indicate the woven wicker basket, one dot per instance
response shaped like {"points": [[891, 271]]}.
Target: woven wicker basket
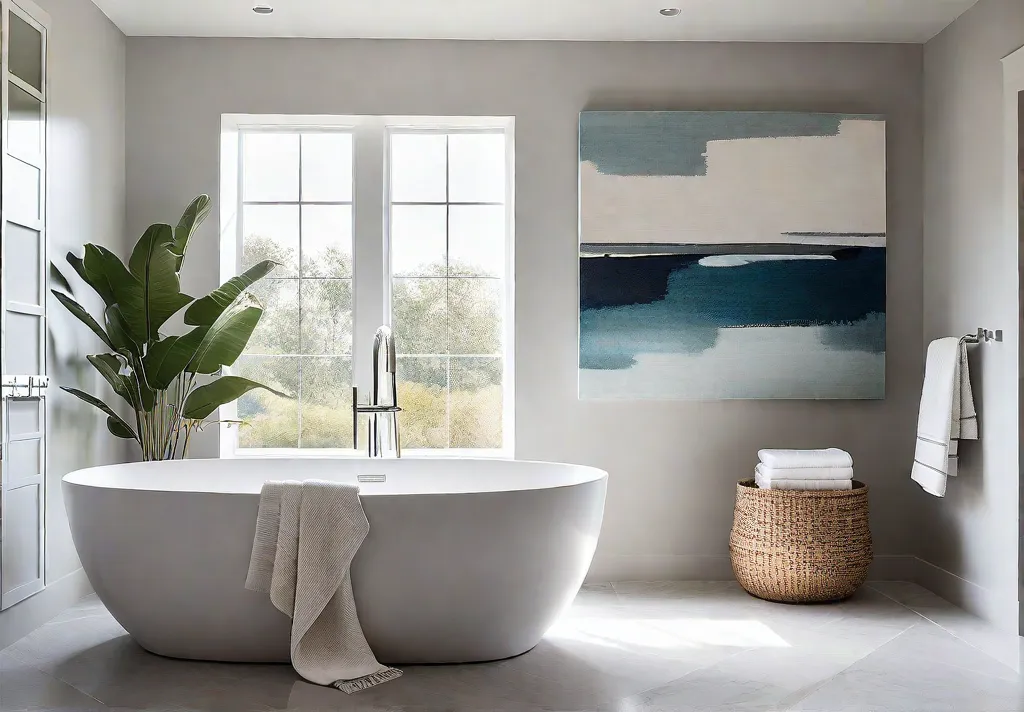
{"points": [[799, 546]]}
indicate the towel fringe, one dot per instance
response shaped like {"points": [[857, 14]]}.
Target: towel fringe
{"points": [[367, 681]]}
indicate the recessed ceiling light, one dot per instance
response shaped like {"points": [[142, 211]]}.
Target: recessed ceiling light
{"points": [[263, 10], [669, 11]]}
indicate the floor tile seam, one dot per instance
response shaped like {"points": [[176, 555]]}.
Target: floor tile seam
{"points": [[695, 670], [949, 632], [59, 678], [25, 661], [836, 674]]}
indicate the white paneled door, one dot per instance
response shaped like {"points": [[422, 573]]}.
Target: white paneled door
{"points": [[23, 290]]}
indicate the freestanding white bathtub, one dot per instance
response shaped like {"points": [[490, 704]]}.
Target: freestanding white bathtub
{"points": [[466, 560]]}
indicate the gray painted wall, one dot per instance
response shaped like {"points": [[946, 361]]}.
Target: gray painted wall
{"points": [[969, 539], [673, 465], [86, 203]]}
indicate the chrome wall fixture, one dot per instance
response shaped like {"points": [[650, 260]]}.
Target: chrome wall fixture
{"points": [[983, 336], [383, 350]]}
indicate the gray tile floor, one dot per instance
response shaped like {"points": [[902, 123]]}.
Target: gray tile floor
{"points": [[630, 647]]}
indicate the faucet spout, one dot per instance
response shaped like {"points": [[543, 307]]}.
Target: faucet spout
{"points": [[385, 373]]}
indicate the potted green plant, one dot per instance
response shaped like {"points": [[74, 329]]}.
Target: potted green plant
{"points": [[163, 378]]}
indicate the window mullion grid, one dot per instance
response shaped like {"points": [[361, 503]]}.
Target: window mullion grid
{"points": [[447, 288], [302, 349]]}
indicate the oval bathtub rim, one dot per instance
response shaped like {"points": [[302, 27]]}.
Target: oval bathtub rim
{"points": [[598, 476]]}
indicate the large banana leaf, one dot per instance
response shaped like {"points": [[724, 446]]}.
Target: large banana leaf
{"points": [[204, 312], [83, 316], [99, 284], [121, 429], [119, 331], [155, 266], [140, 396], [115, 424], [225, 340], [206, 399], [57, 277], [168, 358], [191, 219], [105, 273]]}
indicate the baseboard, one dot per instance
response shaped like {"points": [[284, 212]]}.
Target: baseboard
{"points": [[999, 610], [21, 619], [696, 567], [659, 567], [892, 567]]}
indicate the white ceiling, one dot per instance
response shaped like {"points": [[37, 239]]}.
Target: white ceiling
{"points": [[714, 20]]}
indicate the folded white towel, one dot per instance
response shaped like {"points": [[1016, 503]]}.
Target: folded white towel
{"points": [[805, 473], [830, 457], [307, 534], [946, 416], [818, 485]]}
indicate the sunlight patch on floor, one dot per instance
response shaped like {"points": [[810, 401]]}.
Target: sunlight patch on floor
{"points": [[668, 634]]}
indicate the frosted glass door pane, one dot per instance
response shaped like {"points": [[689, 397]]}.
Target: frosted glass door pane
{"points": [[24, 417], [26, 52], [23, 459], [23, 256], [23, 330], [21, 191], [25, 131], [22, 521]]}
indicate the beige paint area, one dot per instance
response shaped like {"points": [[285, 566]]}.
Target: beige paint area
{"points": [[755, 190]]}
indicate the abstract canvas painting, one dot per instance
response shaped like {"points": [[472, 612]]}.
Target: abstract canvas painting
{"points": [[732, 255]]}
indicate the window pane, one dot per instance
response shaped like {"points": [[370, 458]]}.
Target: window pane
{"points": [[477, 168], [278, 330], [476, 402], [418, 168], [26, 52], [326, 316], [271, 232], [419, 314], [326, 402], [271, 421], [476, 240], [271, 167], [423, 395], [25, 131], [327, 167], [326, 240], [418, 240], [474, 316]]}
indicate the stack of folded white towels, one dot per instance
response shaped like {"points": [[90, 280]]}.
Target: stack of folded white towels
{"points": [[830, 469]]}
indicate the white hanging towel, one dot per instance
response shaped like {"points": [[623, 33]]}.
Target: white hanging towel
{"points": [[307, 534], [947, 415]]}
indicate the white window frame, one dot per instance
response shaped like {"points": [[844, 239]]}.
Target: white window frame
{"points": [[371, 298]]}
